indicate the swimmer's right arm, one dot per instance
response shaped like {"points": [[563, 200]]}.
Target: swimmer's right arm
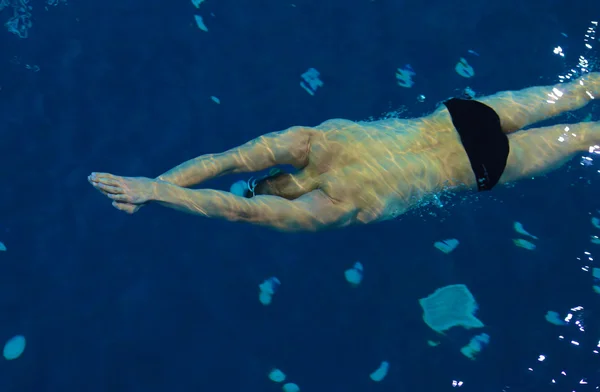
{"points": [[313, 211]]}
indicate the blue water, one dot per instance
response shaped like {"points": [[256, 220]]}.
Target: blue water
{"points": [[163, 301]]}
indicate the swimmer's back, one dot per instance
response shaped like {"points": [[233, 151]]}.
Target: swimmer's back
{"points": [[374, 165]]}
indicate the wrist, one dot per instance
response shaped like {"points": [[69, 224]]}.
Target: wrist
{"points": [[157, 192]]}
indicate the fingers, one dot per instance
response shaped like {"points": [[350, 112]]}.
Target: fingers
{"points": [[105, 183], [98, 189], [107, 189], [126, 207], [102, 178], [120, 197]]}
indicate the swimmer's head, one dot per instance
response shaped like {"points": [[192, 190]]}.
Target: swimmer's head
{"points": [[240, 188], [266, 185]]}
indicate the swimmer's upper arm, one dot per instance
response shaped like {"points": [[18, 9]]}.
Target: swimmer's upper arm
{"points": [[311, 212]]}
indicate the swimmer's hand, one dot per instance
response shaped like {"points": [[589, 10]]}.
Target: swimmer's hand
{"points": [[127, 207], [124, 191], [119, 205]]}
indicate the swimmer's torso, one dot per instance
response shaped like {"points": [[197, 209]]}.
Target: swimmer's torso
{"points": [[386, 167]]}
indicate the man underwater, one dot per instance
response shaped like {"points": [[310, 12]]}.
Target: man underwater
{"points": [[361, 172]]}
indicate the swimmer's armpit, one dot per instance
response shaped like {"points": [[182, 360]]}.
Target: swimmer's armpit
{"points": [[312, 212]]}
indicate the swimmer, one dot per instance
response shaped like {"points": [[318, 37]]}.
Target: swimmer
{"points": [[352, 173]]}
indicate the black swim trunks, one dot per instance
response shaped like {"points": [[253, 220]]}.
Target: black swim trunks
{"points": [[482, 137]]}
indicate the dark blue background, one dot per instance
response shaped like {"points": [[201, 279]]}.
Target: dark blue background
{"points": [[163, 301]]}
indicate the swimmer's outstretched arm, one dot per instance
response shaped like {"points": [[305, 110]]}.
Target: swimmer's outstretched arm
{"points": [[312, 212], [278, 148], [289, 147]]}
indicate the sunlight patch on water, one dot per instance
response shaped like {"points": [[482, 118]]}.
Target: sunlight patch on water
{"points": [[380, 373], [267, 289], [354, 275], [475, 345], [574, 322], [446, 246], [14, 347], [448, 307], [277, 375]]}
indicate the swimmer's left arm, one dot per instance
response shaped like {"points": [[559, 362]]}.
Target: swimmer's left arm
{"points": [[311, 212], [289, 147]]}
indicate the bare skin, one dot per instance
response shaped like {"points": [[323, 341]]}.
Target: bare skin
{"points": [[362, 172]]}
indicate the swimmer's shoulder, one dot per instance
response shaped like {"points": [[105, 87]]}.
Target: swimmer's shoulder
{"points": [[371, 193], [336, 124]]}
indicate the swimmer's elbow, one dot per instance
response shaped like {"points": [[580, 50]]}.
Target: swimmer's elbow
{"points": [[294, 222], [309, 213], [314, 225], [313, 222]]}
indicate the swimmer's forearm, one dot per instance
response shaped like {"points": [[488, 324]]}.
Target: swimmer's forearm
{"points": [[204, 202], [199, 169]]}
